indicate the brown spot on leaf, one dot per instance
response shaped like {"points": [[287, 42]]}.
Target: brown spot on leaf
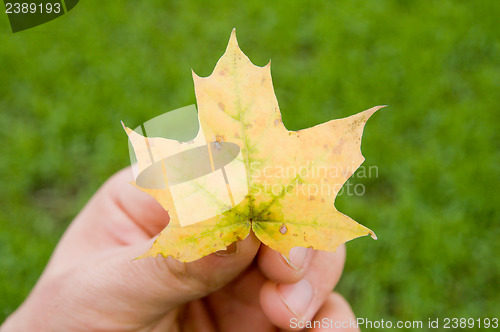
{"points": [[338, 148], [283, 229], [312, 198], [248, 126], [221, 106], [355, 124]]}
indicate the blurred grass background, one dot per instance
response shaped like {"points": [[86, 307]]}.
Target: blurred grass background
{"points": [[65, 86]]}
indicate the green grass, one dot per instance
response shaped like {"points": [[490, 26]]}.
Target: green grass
{"points": [[65, 86]]}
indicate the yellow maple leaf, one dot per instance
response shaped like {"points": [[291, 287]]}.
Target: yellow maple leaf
{"points": [[289, 182]]}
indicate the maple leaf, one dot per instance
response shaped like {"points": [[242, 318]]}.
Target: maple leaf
{"points": [[290, 179]]}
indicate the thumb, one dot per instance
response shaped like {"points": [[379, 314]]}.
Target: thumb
{"points": [[166, 283]]}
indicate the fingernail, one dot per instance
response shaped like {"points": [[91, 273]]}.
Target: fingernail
{"points": [[299, 257], [230, 250], [297, 297]]}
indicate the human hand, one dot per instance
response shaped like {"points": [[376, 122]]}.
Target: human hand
{"points": [[92, 282]]}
